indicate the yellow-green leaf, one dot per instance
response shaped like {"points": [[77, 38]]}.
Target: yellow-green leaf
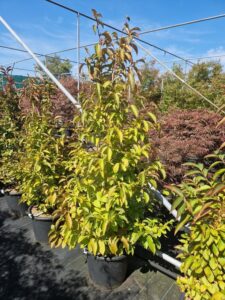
{"points": [[101, 245], [109, 154], [98, 50], [113, 246], [152, 116], [93, 246], [125, 243], [116, 168], [120, 134], [134, 110], [68, 220], [151, 244]]}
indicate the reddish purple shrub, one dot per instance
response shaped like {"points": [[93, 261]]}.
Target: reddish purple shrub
{"points": [[187, 135]]}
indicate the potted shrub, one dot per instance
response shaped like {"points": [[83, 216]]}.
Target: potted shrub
{"points": [[42, 160], [200, 200], [108, 204], [10, 146]]}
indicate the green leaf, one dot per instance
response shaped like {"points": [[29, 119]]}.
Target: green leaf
{"points": [[221, 245], [176, 203], [151, 244], [125, 243], [109, 154], [218, 296], [146, 126], [142, 178], [99, 90], [218, 174], [182, 223], [113, 246], [187, 263], [152, 117], [101, 245], [120, 135], [146, 197], [131, 79], [134, 110], [176, 190], [68, 220], [98, 50], [181, 210], [209, 274], [214, 248], [106, 84], [97, 203], [212, 263], [217, 189], [93, 246], [101, 164], [116, 168]]}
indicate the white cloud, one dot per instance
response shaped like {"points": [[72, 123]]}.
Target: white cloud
{"points": [[217, 53]]}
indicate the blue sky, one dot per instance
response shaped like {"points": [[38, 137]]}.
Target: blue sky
{"points": [[46, 28]]}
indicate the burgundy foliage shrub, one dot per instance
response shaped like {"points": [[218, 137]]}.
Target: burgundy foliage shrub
{"points": [[63, 107], [187, 135]]}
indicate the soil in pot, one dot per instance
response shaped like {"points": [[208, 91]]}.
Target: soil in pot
{"points": [[13, 201], [108, 273], [41, 224]]}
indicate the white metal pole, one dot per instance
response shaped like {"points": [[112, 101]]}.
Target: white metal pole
{"points": [[169, 259], [178, 77], [164, 201], [78, 56], [50, 75]]}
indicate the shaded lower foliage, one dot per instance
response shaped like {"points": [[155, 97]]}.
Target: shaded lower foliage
{"points": [[27, 271]]}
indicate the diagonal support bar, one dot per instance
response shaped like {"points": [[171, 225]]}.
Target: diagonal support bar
{"points": [[43, 67], [178, 77]]}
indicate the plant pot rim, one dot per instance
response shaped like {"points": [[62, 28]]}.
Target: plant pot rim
{"points": [[38, 217], [12, 192], [106, 258]]}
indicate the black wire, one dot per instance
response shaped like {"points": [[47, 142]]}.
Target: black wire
{"points": [[118, 30], [24, 51]]}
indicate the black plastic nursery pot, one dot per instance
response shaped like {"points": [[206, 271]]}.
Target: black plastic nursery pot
{"points": [[41, 225], [15, 206], [108, 273]]}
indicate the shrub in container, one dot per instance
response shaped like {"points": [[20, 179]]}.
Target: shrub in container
{"points": [[200, 200], [10, 147], [42, 162], [108, 199]]}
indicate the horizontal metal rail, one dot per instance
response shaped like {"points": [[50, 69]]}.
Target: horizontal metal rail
{"points": [[183, 24]]}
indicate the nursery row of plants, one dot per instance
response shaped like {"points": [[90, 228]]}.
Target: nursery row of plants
{"points": [[87, 183]]}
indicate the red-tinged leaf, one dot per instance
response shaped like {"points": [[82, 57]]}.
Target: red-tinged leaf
{"points": [[175, 190], [222, 146], [217, 189], [221, 122]]}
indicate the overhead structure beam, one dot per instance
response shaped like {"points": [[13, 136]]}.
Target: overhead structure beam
{"points": [[57, 52], [183, 24], [24, 51], [118, 30], [78, 56]]}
